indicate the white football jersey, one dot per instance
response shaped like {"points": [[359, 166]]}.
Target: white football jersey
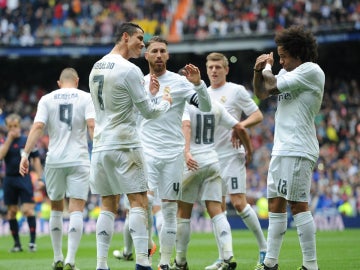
{"points": [[236, 100], [299, 102], [162, 137], [117, 90], [64, 112], [203, 126]]}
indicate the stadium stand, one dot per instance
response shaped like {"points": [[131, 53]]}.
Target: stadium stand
{"points": [[39, 22]]}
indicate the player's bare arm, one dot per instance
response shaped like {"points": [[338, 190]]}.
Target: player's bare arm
{"points": [[35, 133], [243, 137], [190, 162], [253, 119], [90, 126], [264, 81]]}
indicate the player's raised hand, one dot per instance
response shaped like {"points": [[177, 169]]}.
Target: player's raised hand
{"points": [[154, 85], [192, 74]]}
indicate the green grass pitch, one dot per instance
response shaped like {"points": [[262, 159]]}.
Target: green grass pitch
{"points": [[338, 250]]}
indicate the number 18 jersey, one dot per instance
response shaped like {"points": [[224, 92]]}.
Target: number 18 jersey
{"points": [[203, 126]]}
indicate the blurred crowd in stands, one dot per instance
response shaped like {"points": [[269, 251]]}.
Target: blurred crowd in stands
{"points": [[336, 178], [87, 22]]}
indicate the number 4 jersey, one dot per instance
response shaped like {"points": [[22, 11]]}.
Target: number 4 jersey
{"points": [[64, 112]]}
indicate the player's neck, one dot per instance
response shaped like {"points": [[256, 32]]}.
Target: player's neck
{"points": [[217, 85], [157, 72], [123, 51]]}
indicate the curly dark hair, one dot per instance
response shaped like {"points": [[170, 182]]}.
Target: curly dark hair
{"points": [[298, 42]]}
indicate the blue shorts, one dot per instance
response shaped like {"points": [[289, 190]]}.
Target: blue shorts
{"points": [[18, 188]]}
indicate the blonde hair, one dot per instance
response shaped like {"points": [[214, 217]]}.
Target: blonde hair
{"points": [[215, 56]]}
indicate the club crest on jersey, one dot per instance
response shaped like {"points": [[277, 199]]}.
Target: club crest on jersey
{"points": [[166, 90], [223, 99]]}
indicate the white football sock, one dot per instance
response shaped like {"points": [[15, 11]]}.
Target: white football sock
{"points": [[223, 233], [138, 226], [182, 240], [168, 232], [56, 234], [76, 226], [276, 231], [128, 242], [251, 221], [307, 237], [159, 220], [104, 233]]}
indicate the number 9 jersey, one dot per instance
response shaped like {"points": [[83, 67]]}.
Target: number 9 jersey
{"points": [[64, 112]]}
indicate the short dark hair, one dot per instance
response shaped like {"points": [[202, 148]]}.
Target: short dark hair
{"points": [[298, 42], [156, 39], [68, 74], [127, 27]]}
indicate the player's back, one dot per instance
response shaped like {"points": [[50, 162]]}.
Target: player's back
{"points": [[113, 84], [64, 111], [203, 125]]}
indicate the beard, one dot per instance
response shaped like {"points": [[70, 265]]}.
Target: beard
{"points": [[157, 67]]}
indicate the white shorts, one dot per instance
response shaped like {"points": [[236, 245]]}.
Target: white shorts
{"points": [[165, 176], [71, 182], [233, 173], [118, 172], [290, 178], [203, 184]]}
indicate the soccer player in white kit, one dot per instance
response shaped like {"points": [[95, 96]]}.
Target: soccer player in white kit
{"points": [[237, 101], [163, 139], [68, 114], [202, 180], [299, 87], [117, 167]]}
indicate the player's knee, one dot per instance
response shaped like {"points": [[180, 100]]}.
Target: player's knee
{"points": [[239, 203], [298, 207]]}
